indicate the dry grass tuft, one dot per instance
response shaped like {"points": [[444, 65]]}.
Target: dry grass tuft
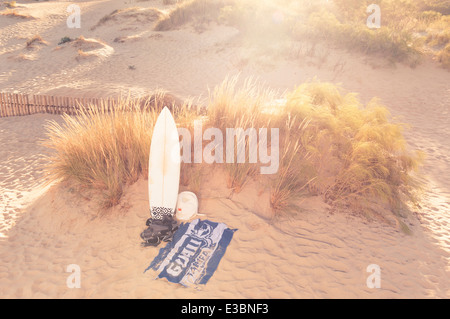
{"points": [[341, 23], [35, 40], [135, 14], [102, 150], [444, 57], [14, 14]]}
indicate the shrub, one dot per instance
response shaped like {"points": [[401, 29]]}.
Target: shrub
{"points": [[187, 11], [398, 46], [441, 6], [330, 145], [64, 40], [359, 155], [444, 56]]}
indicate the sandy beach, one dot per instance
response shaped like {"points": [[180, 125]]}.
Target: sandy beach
{"points": [[321, 253]]}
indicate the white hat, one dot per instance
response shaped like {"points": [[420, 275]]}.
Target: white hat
{"points": [[187, 206]]}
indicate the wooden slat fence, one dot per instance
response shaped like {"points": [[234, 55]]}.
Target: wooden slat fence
{"points": [[13, 104]]}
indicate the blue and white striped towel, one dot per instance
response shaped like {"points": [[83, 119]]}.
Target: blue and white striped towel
{"points": [[194, 253]]}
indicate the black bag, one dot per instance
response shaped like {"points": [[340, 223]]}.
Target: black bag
{"points": [[159, 230]]}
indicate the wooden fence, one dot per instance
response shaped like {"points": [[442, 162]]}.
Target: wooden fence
{"points": [[12, 104]]}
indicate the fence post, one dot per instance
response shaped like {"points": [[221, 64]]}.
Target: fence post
{"points": [[11, 101], [42, 103], [66, 104], [51, 104], [57, 108], [20, 103], [34, 104], [2, 111], [28, 104], [39, 103], [58, 104], [10, 104], [72, 105], [15, 104]]}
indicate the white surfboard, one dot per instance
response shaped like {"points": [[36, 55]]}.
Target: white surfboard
{"points": [[164, 166]]}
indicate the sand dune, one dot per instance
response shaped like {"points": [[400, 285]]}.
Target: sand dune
{"points": [[320, 254], [22, 160]]}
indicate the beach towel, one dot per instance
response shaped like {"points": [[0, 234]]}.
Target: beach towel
{"points": [[193, 255]]}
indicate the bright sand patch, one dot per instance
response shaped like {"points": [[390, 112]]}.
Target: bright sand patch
{"points": [[316, 255]]}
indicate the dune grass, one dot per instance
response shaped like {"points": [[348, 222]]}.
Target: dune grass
{"points": [[201, 11], [359, 154], [13, 13], [295, 174], [408, 27], [105, 151], [102, 150], [33, 41], [396, 45], [330, 145], [239, 105]]}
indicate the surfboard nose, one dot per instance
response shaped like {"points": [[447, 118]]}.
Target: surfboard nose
{"points": [[165, 111]]}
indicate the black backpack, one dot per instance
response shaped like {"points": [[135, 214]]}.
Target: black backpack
{"points": [[159, 230]]}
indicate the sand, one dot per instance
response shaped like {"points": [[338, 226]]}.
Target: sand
{"points": [[318, 254]]}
